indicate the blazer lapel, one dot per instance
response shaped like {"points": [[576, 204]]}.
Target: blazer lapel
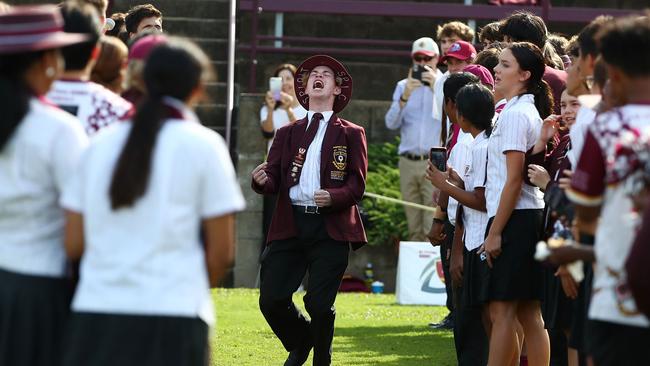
{"points": [[331, 136], [297, 132]]}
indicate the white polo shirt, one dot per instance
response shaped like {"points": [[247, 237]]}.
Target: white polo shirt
{"points": [[148, 259], [35, 164], [460, 154], [474, 177], [517, 129]]}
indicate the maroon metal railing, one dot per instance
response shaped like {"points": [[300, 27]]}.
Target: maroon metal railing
{"points": [[387, 8]]}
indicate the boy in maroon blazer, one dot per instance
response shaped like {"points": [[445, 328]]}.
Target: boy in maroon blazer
{"points": [[317, 166]]}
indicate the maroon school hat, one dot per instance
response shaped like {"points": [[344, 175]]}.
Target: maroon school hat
{"points": [[141, 49], [482, 73], [340, 73], [34, 28], [460, 50]]}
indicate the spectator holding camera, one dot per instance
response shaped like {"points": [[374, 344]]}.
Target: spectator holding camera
{"points": [[281, 100], [412, 113]]}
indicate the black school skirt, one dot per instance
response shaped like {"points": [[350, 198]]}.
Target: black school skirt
{"points": [[33, 315], [515, 274], [95, 339], [472, 278], [557, 308]]}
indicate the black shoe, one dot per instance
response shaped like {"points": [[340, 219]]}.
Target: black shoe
{"points": [[446, 323], [298, 356]]}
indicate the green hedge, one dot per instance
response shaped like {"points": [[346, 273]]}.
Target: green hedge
{"points": [[386, 220]]}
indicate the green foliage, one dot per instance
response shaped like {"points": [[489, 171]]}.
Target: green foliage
{"points": [[370, 330], [387, 219]]}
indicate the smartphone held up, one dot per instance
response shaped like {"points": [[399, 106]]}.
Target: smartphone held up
{"points": [[438, 157], [275, 86]]}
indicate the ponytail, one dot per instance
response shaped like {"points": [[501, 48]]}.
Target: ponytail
{"points": [[544, 102], [14, 92], [133, 169], [173, 69]]}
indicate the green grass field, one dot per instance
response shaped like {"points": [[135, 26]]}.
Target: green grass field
{"points": [[370, 330]]}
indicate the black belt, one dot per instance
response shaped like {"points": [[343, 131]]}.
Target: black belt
{"points": [[414, 156], [312, 210]]}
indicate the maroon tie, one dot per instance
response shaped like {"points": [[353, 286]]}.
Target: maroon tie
{"points": [[301, 154]]}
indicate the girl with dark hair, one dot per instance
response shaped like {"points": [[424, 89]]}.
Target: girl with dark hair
{"points": [[280, 108], [474, 107], [513, 279], [134, 212], [39, 149]]}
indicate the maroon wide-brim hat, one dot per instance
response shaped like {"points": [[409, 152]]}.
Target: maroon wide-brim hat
{"points": [[34, 28], [341, 75]]}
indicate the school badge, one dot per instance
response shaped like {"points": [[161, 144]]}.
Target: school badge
{"points": [[340, 157]]}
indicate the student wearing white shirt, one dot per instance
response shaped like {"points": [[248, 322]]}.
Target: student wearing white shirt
{"points": [[134, 214], [512, 283], [40, 146], [475, 108], [442, 229]]}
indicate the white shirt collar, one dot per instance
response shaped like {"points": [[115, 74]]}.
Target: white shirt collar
{"points": [[526, 98], [326, 115], [187, 113]]}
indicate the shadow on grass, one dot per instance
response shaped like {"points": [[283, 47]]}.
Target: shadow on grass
{"points": [[393, 346]]}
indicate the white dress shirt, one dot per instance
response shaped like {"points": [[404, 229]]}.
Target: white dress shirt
{"points": [[460, 155], [517, 129], [35, 165], [578, 133], [148, 259], [474, 177], [303, 193], [419, 130]]}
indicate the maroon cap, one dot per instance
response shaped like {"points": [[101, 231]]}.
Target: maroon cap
{"points": [[340, 74], [482, 73], [460, 50], [143, 46], [34, 28]]}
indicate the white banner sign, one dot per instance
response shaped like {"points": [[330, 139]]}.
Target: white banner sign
{"points": [[420, 280]]}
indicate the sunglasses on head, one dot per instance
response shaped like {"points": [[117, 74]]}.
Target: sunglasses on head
{"points": [[420, 58]]}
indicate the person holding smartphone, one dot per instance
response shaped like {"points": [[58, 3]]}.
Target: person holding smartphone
{"points": [[512, 283], [412, 113], [281, 106]]}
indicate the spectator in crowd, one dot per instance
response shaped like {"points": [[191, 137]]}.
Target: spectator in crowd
{"points": [[449, 33], [465, 320], [560, 45], [605, 177], [515, 210], [489, 34], [110, 68], [119, 30], [489, 56], [526, 27], [316, 220], [138, 53], [458, 56], [94, 105], [100, 6], [142, 18], [580, 82], [284, 111], [40, 146], [412, 112], [157, 181], [546, 170]]}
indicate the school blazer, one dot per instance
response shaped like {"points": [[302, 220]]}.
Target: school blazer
{"points": [[344, 164]]}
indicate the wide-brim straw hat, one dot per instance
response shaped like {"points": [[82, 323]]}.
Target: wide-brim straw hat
{"points": [[34, 28]]}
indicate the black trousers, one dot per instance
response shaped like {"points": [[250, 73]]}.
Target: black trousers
{"points": [[470, 338], [284, 265], [445, 256]]}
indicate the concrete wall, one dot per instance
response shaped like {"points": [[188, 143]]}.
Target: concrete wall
{"points": [[251, 148]]}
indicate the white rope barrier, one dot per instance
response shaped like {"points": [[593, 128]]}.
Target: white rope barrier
{"points": [[401, 202]]}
